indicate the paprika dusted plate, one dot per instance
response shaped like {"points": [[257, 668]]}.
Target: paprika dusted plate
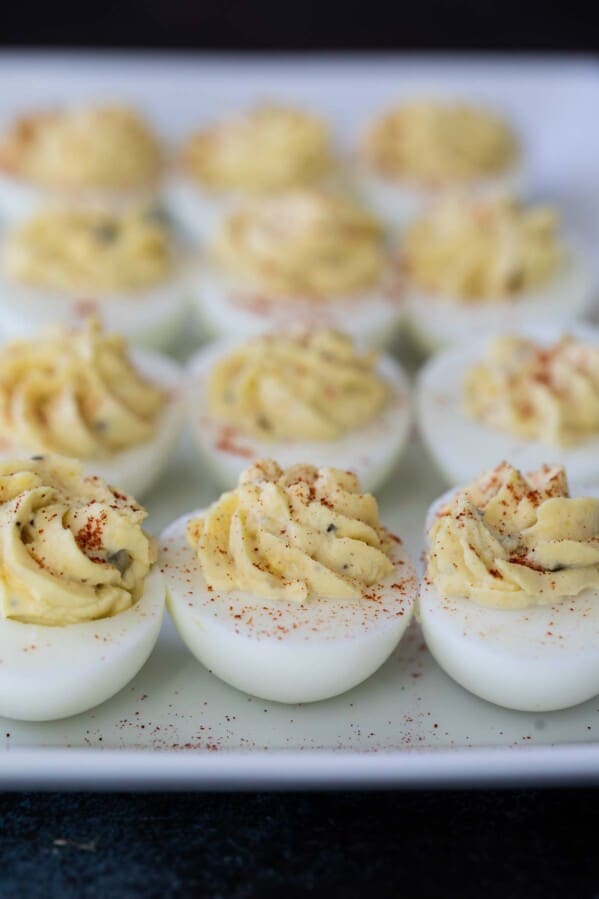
{"points": [[176, 725]]}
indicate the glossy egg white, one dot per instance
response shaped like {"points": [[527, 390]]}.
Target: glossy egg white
{"points": [[54, 672], [538, 659], [226, 308], [397, 202], [462, 447], [136, 469], [371, 452], [152, 318], [280, 650], [435, 322], [19, 199], [199, 212]]}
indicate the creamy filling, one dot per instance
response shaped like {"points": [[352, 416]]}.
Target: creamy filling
{"points": [[435, 144], [92, 147], [510, 541], [72, 548], [271, 148], [88, 252], [292, 534], [482, 250], [303, 243], [75, 393], [534, 392], [314, 386]]}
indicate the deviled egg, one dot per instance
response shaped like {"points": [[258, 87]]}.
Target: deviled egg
{"points": [[509, 605], [524, 396], [289, 587], [103, 156], [487, 265], [415, 152], [263, 151], [82, 394], [304, 258], [65, 265], [311, 396], [81, 603]]}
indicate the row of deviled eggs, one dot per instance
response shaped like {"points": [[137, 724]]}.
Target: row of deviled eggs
{"points": [[285, 239], [109, 155], [310, 395], [304, 258], [289, 586]]}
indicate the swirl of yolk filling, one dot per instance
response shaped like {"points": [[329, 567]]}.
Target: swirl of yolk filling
{"points": [[537, 392], [482, 250], [303, 243], [92, 147], [293, 534], [436, 144], [510, 541], [84, 251], [72, 549], [75, 393], [271, 148], [313, 386]]}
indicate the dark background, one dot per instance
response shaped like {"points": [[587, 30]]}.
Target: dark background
{"points": [[420, 845], [302, 24], [506, 844]]}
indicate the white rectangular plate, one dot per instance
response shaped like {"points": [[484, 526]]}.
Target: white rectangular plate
{"points": [[176, 725]]}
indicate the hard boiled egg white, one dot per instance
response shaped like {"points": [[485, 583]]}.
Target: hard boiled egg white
{"points": [[19, 199], [397, 202], [281, 650], [151, 318], [371, 451], [435, 322], [225, 308], [537, 659], [198, 211], [462, 447], [136, 469], [53, 672]]}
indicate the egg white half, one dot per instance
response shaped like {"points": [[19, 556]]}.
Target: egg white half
{"points": [[398, 202], [19, 199], [136, 469], [371, 451], [54, 672], [199, 212], [227, 309], [151, 318], [538, 659], [462, 447], [435, 322], [281, 650]]}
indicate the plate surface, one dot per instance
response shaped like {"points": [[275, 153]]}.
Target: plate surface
{"points": [[178, 726]]}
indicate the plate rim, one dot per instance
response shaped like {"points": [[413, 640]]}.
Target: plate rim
{"points": [[203, 770]]}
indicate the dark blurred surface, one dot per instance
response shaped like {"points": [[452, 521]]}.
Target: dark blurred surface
{"points": [[303, 24], [508, 844]]}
